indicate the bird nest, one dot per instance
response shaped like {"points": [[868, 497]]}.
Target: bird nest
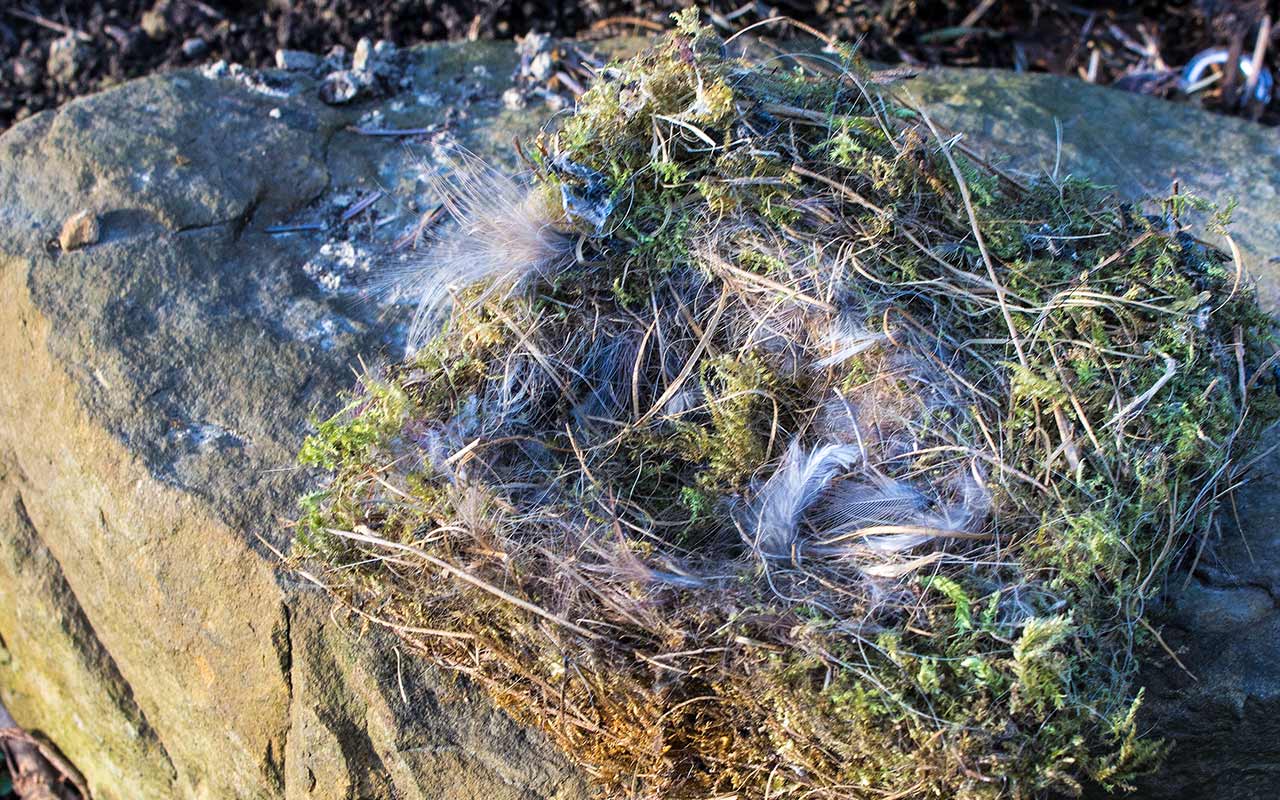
{"points": [[764, 442]]}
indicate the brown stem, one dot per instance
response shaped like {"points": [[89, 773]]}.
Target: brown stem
{"points": [[39, 772]]}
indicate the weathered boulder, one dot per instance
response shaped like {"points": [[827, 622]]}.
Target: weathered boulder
{"points": [[158, 383], [157, 386]]}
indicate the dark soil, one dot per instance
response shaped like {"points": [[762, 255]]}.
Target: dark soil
{"points": [[1140, 45]]}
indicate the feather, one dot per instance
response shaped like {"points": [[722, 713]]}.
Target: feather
{"points": [[849, 505], [966, 513], [905, 522], [799, 480], [844, 341], [897, 569], [504, 234]]}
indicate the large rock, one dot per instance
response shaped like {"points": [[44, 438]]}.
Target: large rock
{"points": [[156, 387], [158, 382]]}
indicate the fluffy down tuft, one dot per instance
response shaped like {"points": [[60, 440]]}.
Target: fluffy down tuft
{"points": [[505, 234]]}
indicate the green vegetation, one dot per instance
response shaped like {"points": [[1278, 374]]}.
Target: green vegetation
{"points": [[832, 462]]}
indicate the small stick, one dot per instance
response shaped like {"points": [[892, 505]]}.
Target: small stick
{"points": [[534, 351], [689, 365], [982, 244], [1262, 369], [780, 110], [463, 575], [719, 263], [841, 188], [827, 39], [31, 746], [568, 80], [635, 370], [362, 204], [1068, 441], [519, 148], [400, 677], [994, 461], [1170, 369], [50, 24], [1238, 260], [368, 131], [1240, 376], [414, 234], [1259, 52], [1168, 649], [1152, 44], [1095, 60], [973, 16], [462, 453], [305, 226], [891, 530], [208, 9], [1127, 40], [1231, 70], [638, 22], [971, 19], [386, 623]]}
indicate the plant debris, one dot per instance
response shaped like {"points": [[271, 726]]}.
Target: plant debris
{"points": [[31, 767], [766, 443]]}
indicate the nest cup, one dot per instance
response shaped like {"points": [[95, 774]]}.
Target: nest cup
{"points": [[764, 442]]}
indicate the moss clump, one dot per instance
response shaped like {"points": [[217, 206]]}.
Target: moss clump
{"points": [[831, 464]]}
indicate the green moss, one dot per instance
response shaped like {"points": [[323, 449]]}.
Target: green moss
{"points": [[730, 445], [1042, 670], [349, 437]]}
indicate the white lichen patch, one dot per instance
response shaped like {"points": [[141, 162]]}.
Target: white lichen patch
{"points": [[251, 79], [340, 266], [200, 436]]}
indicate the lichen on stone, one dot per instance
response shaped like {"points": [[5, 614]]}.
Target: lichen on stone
{"points": [[792, 451]]}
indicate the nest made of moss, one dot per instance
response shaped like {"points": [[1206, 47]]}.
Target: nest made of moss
{"points": [[765, 443]]}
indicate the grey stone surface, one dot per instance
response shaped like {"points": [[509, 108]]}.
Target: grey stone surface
{"points": [[158, 382], [157, 386]]}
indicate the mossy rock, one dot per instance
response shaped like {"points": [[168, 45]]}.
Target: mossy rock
{"points": [[156, 393]]}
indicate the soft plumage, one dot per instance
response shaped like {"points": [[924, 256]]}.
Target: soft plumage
{"points": [[798, 482], [503, 234]]}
